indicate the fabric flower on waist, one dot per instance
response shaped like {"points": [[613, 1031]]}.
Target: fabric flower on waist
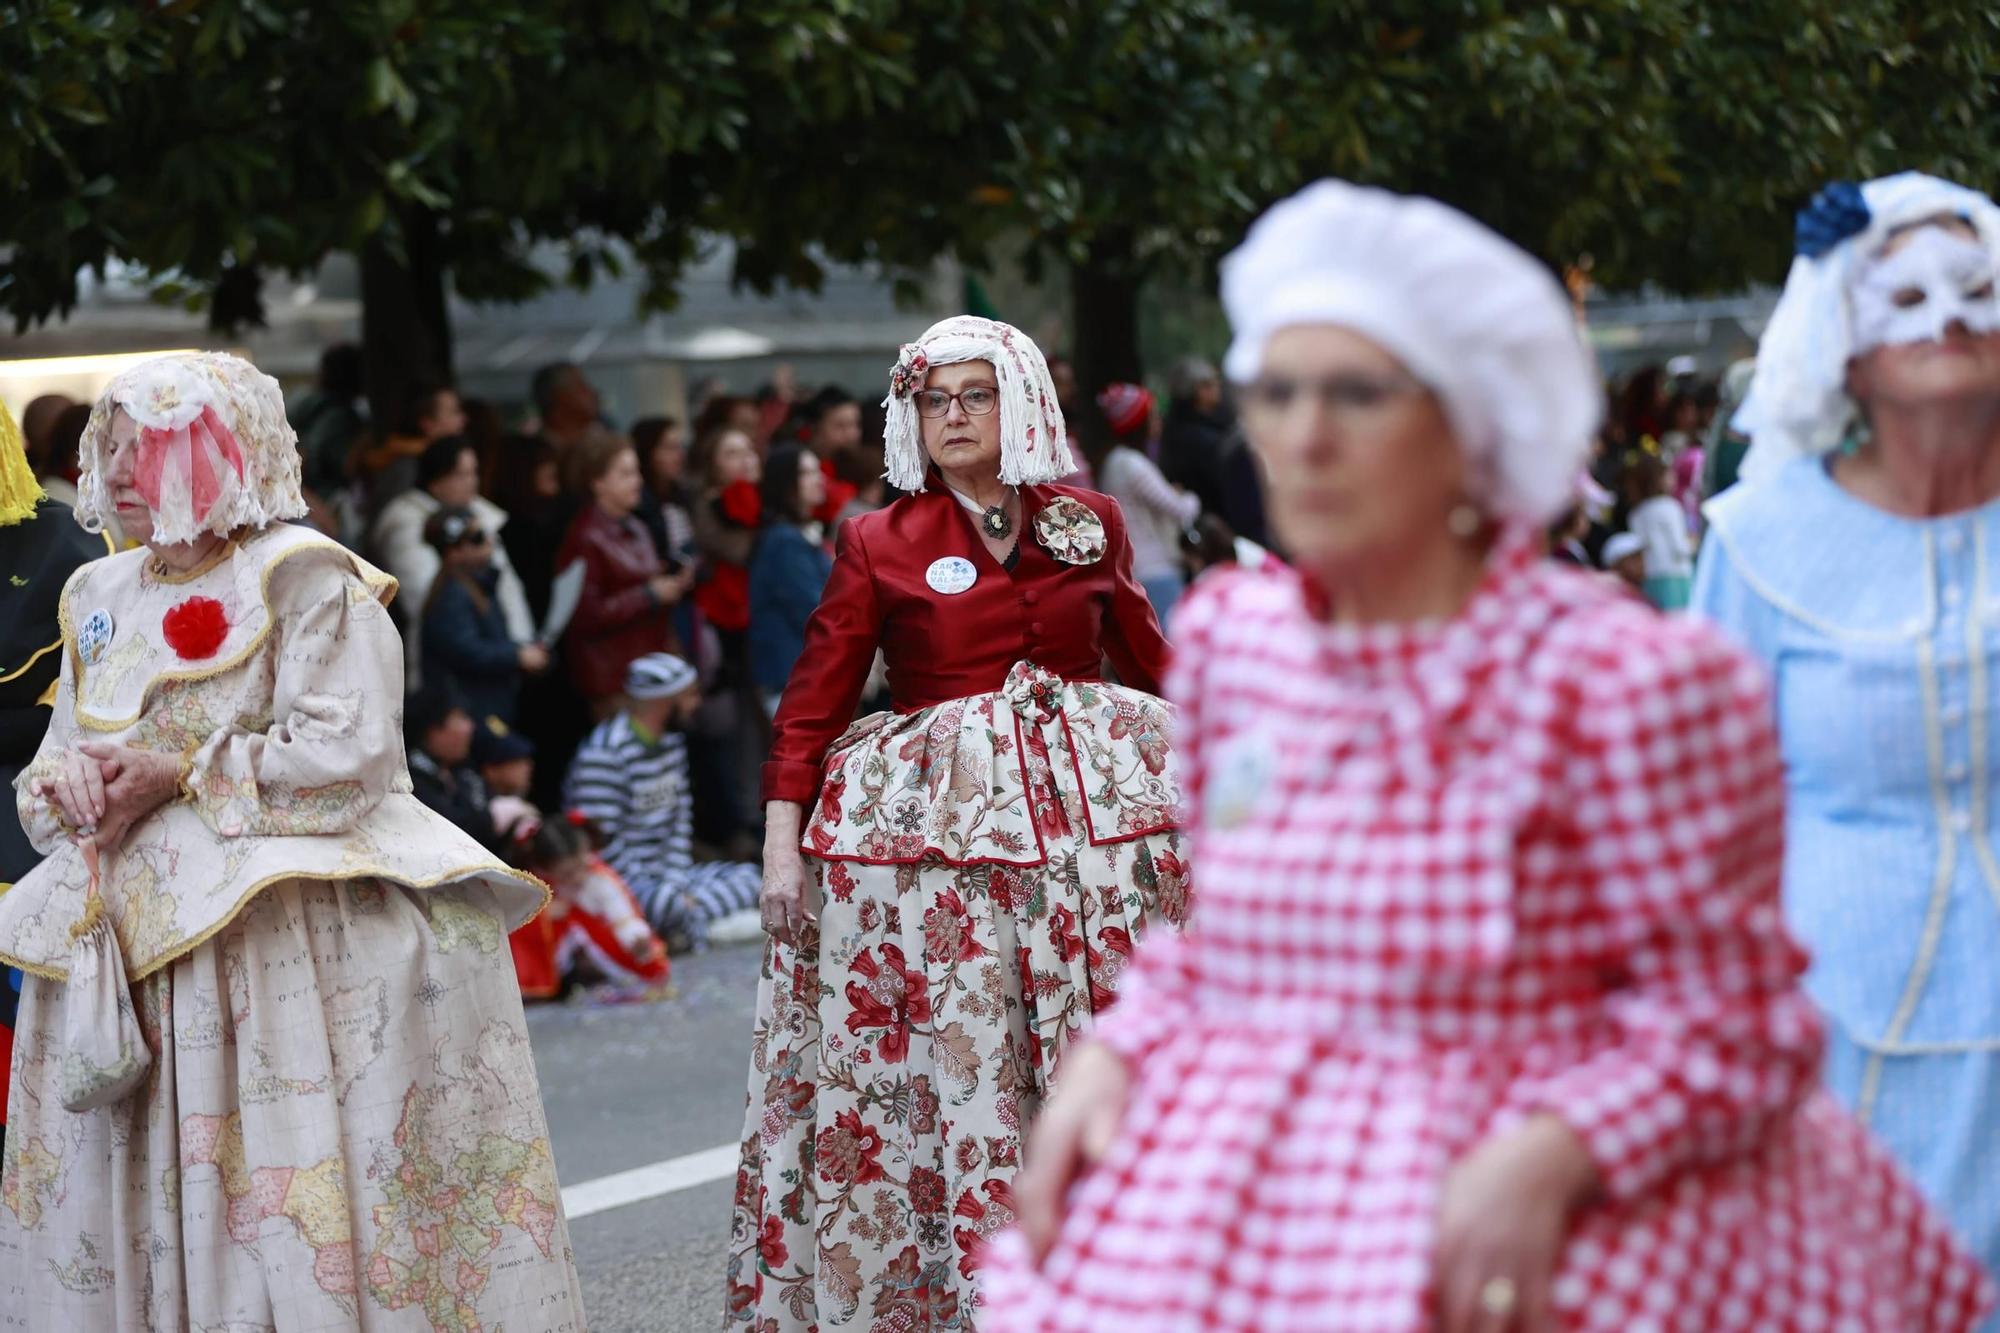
{"points": [[195, 628], [1071, 532], [1034, 693]]}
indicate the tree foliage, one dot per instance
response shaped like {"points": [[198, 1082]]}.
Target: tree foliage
{"points": [[203, 138], [211, 140], [1669, 138]]}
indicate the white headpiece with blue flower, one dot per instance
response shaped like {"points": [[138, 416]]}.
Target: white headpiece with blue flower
{"points": [[1798, 403]]}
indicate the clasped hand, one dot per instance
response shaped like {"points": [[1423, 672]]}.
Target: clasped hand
{"points": [[1503, 1215], [102, 789]]}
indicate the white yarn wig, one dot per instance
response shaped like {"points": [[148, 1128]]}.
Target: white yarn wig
{"points": [[1798, 404], [1480, 322], [215, 452], [1034, 445]]}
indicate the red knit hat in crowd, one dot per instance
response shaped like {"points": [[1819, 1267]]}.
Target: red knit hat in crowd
{"points": [[1126, 407]]}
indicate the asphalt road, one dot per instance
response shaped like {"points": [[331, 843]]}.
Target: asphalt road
{"points": [[632, 1085]]}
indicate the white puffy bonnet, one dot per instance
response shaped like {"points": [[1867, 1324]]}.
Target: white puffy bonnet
{"points": [[1034, 445], [217, 425], [1479, 321], [1798, 404]]}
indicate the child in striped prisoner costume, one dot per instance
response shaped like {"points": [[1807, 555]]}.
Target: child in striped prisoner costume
{"points": [[631, 779]]}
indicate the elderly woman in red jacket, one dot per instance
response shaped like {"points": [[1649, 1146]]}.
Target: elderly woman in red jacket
{"points": [[952, 888], [628, 596]]}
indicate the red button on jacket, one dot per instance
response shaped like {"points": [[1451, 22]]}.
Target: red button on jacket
{"points": [[941, 646]]}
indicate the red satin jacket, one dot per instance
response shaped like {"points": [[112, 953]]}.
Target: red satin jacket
{"points": [[941, 646]]}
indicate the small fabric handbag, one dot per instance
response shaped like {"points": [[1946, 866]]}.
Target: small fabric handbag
{"points": [[104, 1053]]}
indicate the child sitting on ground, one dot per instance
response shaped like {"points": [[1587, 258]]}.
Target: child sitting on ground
{"points": [[593, 929], [631, 778]]}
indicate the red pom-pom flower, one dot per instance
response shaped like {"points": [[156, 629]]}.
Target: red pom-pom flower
{"points": [[196, 628]]}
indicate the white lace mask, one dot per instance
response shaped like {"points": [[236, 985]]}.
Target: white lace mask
{"points": [[1936, 278]]}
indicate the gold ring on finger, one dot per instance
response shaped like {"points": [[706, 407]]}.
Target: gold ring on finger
{"points": [[1499, 1296]]}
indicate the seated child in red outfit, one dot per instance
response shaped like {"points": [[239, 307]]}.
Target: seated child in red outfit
{"points": [[593, 929]]}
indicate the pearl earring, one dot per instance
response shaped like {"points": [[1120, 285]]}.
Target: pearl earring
{"points": [[1464, 521]]}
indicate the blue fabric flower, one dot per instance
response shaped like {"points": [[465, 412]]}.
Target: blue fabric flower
{"points": [[1837, 212]]}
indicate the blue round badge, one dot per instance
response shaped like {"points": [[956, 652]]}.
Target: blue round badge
{"points": [[93, 636]]}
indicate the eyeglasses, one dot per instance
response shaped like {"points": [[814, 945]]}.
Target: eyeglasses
{"points": [[1350, 400], [977, 401]]}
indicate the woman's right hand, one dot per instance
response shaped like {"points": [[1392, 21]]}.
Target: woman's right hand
{"points": [[77, 788], [782, 904], [667, 589], [1075, 1130]]}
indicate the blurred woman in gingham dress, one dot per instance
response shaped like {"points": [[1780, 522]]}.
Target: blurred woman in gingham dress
{"points": [[1867, 579], [1486, 1020]]}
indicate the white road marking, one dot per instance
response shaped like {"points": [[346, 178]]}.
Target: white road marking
{"points": [[650, 1182]]}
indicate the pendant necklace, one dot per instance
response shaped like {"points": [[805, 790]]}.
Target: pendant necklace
{"points": [[994, 520]]}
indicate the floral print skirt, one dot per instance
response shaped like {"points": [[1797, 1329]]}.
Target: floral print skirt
{"points": [[902, 1050]]}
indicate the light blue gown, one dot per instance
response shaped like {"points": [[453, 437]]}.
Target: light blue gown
{"points": [[1883, 638]]}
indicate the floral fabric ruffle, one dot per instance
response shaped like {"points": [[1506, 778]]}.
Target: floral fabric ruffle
{"points": [[972, 781]]}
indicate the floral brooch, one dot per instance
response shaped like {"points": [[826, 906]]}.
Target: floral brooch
{"points": [[1069, 531], [911, 368], [195, 628]]}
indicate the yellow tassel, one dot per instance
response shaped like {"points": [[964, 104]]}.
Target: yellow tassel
{"points": [[93, 912], [19, 491]]}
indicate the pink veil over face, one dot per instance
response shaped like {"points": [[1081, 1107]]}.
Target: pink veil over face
{"points": [[194, 467], [214, 452]]}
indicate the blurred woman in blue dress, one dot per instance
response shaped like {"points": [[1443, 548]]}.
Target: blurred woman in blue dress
{"points": [[1860, 560]]}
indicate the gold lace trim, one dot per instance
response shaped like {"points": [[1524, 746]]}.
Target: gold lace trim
{"points": [[382, 585], [188, 946], [39, 654]]}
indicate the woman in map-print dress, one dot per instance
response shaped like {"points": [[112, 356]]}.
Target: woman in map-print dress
{"points": [[340, 1127]]}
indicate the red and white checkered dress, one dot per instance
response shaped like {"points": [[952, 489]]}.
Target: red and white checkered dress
{"points": [[1449, 877]]}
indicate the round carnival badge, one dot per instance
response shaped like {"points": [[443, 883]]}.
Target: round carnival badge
{"points": [[951, 575], [93, 636]]}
